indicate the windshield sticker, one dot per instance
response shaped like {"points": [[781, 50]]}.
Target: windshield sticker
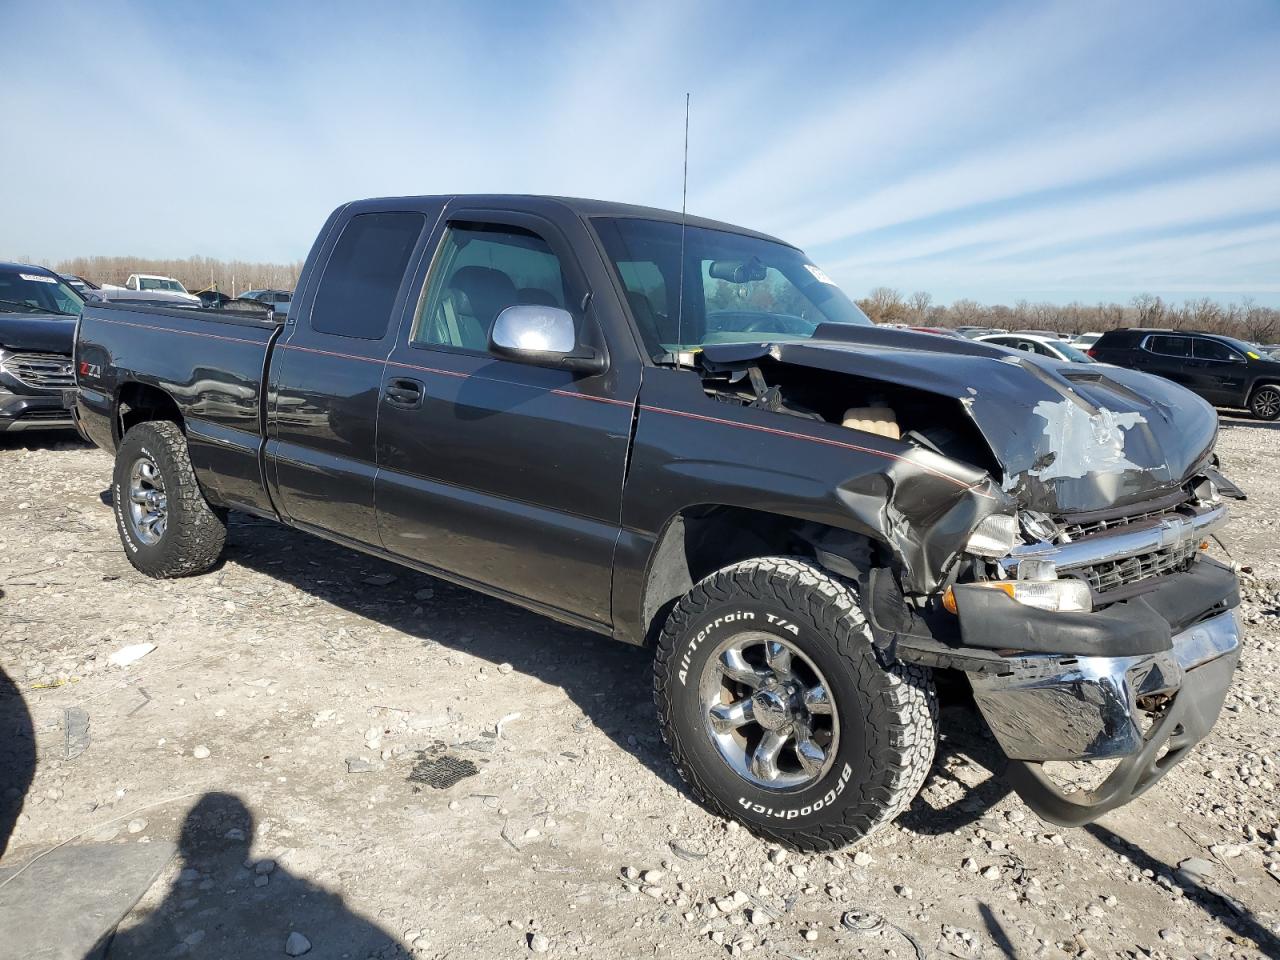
{"points": [[37, 278], [819, 275]]}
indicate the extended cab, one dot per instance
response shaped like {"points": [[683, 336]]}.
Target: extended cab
{"points": [[683, 434]]}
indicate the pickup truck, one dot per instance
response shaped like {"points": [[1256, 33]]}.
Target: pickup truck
{"points": [[682, 434], [150, 282]]}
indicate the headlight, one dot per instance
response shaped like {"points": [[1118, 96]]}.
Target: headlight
{"points": [[995, 536], [1059, 596]]}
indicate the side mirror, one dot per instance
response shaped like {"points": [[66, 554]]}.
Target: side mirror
{"points": [[543, 336]]}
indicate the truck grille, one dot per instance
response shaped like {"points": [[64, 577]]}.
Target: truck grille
{"points": [[1110, 574], [1118, 573], [46, 371]]}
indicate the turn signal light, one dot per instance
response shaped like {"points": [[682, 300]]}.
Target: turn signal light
{"points": [[1060, 596]]}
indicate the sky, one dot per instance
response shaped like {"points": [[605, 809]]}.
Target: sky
{"points": [[996, 151]]}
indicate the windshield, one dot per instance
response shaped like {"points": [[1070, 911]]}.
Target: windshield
{"points": [[30, 292], [1070, 352], [737, 289], [160, 283]]}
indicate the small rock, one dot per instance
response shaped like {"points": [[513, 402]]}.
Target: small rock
{"points": [[201, 752], [235, 833], [261, 881], [380, 579], [296, 945], [863, 859], [991, 873], [137, 825], [649, 890], [264, 866], [810, 935], [777, 855], [652, 876], [1196, 869], [1171, 936], [631, 873], [969, 864], [505, 668], [425, 594], [539, 943]]}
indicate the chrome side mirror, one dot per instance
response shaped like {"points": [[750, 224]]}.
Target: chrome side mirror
{"points": [[545, 336]]}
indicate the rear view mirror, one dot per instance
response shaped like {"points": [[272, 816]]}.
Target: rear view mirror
{"points": [[545, 336], [737, 271]]}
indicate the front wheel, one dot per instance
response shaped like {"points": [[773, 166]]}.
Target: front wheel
{"points": [[1265, 402], [167, 527], [778, 712]]}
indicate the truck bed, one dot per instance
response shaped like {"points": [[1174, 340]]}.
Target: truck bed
{"points": [[211, 363]]}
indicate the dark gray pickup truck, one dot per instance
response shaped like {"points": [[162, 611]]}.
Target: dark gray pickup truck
{"points": [[682, 434]]}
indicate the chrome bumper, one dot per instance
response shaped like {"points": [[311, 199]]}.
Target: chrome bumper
{"points": [[1162, 533], [1087, 708]]}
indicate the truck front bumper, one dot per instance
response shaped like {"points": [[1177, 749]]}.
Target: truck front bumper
{"points": [[1103, 708]]}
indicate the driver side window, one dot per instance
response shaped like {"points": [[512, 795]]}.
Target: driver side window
{"points": [[481, 270]]}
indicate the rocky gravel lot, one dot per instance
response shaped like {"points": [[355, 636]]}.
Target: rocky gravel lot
{"points": [[291, 717]]}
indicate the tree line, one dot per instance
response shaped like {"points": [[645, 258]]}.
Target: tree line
{"points": [[195, 273], [1243, 319]]}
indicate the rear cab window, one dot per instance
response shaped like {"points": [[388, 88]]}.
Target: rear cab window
{"points": [[364, 273]]}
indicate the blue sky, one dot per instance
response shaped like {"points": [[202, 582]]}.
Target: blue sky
{"points": [[1052, 151]]}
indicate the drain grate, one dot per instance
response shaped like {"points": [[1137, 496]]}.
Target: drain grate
{"points": [[440, 770]]}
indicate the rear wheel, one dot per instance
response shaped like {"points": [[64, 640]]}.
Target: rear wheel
{"points": [[167, 527], [779, 713], [1265, 402]]}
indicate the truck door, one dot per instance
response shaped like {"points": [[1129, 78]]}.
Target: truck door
{"points": [[497, 472], [326, 372]]}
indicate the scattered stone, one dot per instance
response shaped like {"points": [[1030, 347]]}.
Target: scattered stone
{"points": [[810, 935], [505, 668], [380, 579], [235, 833], [261, 881], [264, 867], [1196, 869], [777, 855], [539, 943], [652, 876], [76, 724], [201, 752], [296, 945], [650, 890], [991, 873], [968, 863], [863, 859], [137, 825], [361, 765], [424, 594]]}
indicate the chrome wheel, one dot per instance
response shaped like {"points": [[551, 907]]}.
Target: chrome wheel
{"points": [[769, 712], [1266, 404], [148, 505]]}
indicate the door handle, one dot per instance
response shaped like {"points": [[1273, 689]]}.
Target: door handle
{"points": [[403, 392]]}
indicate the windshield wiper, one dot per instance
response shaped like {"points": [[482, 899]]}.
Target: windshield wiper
{"points": [[34, 309]]}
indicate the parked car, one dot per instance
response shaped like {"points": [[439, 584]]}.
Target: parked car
{"points": [[803, 514], [151, 283], [938, 331], [212, 298], [79, 284], [277, 300], [1225, 371], [1050, 347], [38, 313], [973, 333], [1083, 341]]}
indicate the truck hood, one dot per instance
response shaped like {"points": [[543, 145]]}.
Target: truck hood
{"points": [[1070, 438], [37, 332]]}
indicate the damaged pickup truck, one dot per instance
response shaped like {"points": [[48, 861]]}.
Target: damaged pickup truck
{"points": [[682, 434]]}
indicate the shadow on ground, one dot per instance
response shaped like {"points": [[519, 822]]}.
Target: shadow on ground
{"points": [[219, 906], [17, 754], [42, 440], [610, 682]]}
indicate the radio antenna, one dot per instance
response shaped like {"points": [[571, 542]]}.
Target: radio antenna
{"points": [[684, 199]]}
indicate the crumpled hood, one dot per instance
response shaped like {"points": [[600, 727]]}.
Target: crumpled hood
{"points": [[1070, 438], [37, 332]]}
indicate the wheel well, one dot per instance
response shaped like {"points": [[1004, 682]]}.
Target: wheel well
{"points": [[140, 402], [1274, 384], [700, 540]]}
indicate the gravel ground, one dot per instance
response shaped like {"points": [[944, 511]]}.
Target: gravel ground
{"points": [[300, 700]]}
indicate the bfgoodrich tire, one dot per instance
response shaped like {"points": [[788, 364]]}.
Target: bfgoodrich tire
{"points": [[778, 712], [167, 527]]}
